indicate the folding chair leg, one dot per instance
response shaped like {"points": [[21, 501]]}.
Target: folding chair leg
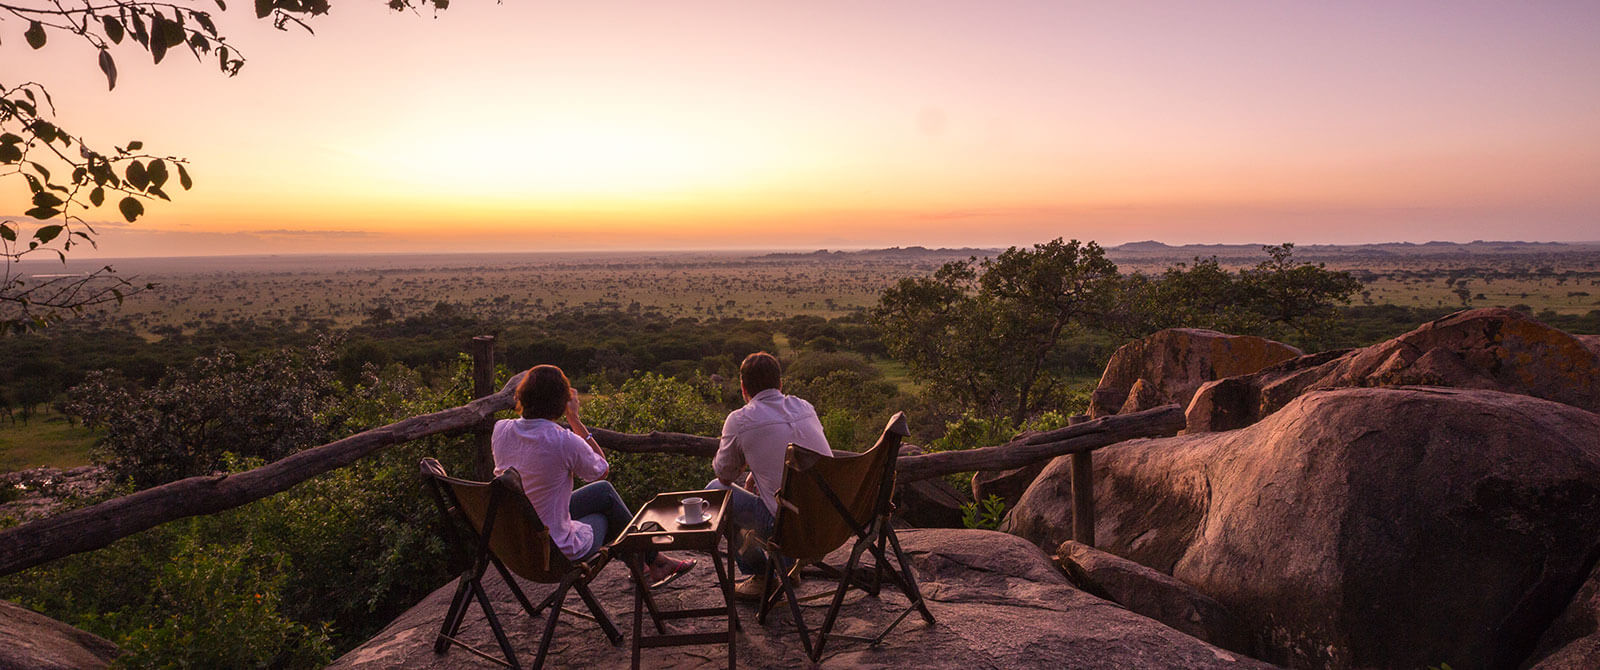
{"points": [[505, 574], [769, 589], [794, 610], [913, 592], [550, 626], [494, 624], [838, 600], [452, 618], [599, 612]]}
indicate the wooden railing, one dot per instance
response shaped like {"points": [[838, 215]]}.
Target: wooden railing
{"points": [[96, 526]]}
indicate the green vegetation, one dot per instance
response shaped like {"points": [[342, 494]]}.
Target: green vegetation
{"points": [[986, 515], [342, 554], [50, 439], [1002, 335]]}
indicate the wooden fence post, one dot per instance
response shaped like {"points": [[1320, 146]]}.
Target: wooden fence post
{"points": [[1082, 492], [482, 385]]}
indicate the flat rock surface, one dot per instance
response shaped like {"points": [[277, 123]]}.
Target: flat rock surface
{"points": [[36, 642], [998, 601]]}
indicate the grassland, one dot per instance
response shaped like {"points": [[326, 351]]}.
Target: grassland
{"points": [[48, 439]]}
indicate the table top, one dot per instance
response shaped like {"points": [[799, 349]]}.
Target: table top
{"points": [[673, 536]]}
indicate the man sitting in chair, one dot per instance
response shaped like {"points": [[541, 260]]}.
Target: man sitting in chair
{"points": [[756, 437]]}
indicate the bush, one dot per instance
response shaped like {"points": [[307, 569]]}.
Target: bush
{"points": [[655, 403], [332, 560], [264, 408]]}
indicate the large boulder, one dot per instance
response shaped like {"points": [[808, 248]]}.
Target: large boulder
{"points": [[1152, 594], [1573, 641], [1168, 366], [33, 641], [998, 601], [1497, 349], [1394, 528]]}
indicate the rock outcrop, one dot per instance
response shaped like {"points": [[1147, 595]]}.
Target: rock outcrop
{"points": [[33, 641], [1573, 641], [998, 600], [1393, 528], [1496, 349], [1169, 366], [1152, 594]]}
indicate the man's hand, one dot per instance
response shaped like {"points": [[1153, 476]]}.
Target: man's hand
{"points": [[750, 482]]}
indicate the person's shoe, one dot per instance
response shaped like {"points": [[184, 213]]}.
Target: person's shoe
{"points": [[671, 574], [750, 589]]}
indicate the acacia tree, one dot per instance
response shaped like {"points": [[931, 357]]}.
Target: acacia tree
{"points": [[68, 174], [992, 341]]}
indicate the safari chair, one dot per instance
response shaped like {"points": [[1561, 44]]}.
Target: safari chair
{"points": [[823, 503], [497, 526]]}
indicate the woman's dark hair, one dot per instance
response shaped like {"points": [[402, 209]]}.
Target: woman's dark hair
{"points": [[759, 372], [543, 393]]}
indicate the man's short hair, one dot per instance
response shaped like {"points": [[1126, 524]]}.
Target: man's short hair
{"points": [[759, 371]]}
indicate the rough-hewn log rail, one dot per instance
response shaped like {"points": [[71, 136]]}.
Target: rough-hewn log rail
{"points": [[1079, 438], [96, 526]]}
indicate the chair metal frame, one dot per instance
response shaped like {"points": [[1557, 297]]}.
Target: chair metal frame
{"points": [[874, 534], [507, 501]]}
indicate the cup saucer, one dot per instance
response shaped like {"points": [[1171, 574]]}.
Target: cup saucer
{"points": [[703, 520]]}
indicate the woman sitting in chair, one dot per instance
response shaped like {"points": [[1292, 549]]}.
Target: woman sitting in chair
{"points": [[548, 456]]}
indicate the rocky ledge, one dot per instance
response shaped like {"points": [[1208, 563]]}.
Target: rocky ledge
{"points": [[999, 602]]}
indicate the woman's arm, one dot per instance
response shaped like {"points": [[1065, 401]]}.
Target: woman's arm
{"points": [[582, 431]]}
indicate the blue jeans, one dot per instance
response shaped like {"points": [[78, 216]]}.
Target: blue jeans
{"points": [[747, 513], [598, 505]]}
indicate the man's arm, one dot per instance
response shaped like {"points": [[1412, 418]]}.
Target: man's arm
{"points": [[729, 460]]}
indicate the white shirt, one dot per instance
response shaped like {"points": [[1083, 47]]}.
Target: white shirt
{"points": [[548, 456], [758, 434]]}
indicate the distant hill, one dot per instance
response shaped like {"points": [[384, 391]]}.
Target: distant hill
{"points": [[1155, 250]]}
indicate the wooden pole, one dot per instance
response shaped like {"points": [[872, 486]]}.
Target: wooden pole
{"points": [[483, 385], [1083, 493]]}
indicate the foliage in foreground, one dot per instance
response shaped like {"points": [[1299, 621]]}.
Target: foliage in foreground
{"points": [[287, 581]]}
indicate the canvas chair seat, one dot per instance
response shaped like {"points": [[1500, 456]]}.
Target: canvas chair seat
{"points": [[824, 502], [496, 525]]}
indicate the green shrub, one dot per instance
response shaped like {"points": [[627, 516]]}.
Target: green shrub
{"points": [[648, 403], [987, 516]]}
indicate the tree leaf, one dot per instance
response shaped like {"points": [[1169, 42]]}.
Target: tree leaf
{"points": [[131, 208], [10, 153], [97, 196], [263, 8], [135, 145], [110, 68], [204, 20], [6, 233], [158, 46], [47, 233], [183, 177], [43, 172], [222, 5], [139, 33], [33, 183], [157, 171], [42, 213], [136, 175], [113, 28], [35, 34], [46, 199]]}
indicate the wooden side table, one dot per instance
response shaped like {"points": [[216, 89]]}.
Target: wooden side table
{"points": [[713, 537]]}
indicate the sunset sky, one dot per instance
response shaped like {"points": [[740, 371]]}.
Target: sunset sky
{"points": [[629, 125]]}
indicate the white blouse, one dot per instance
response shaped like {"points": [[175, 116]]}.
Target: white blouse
{"points": [[548, 456]]}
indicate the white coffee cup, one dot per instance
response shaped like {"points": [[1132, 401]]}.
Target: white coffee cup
{"points": [[694, 510]]}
